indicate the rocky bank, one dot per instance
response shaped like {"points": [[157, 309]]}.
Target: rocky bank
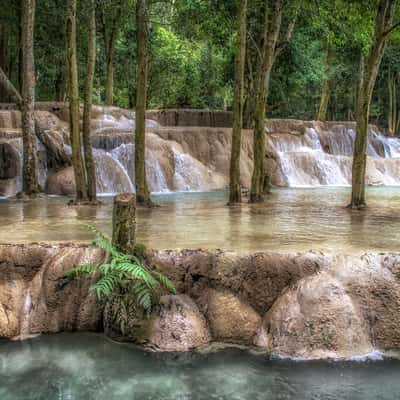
{"points": [[299, 305]]}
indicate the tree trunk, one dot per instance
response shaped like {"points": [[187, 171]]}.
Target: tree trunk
{"points": [[272, 26], [109, 99], [77, 162], [9, 88], [235, 193], [123, 223], [4, 61], [142, 192], [383, 24], [87, 139], [110, 41], [30, 181], [326, 87], [392, 112]]}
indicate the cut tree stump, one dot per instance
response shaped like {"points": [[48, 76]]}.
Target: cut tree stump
{"points": [[124, 222]]}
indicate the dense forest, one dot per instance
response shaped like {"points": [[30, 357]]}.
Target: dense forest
{"points": [[324, 60], [192, 46]]}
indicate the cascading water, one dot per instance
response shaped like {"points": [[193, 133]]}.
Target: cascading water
{"points": [[323, 157], [299, 153]]}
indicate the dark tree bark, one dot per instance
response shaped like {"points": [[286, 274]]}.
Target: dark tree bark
{"points": [[142, 192], [77, 162], [124, 221], [383, 26], [30, 181], [271, 30], [326, 87], [235, 195], [87, 139], [110, 39]]}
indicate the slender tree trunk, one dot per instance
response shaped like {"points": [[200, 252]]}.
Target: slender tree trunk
{"points": [[142, 192], [249, 104], [60, 84], [77, 162], [30, 181], [109, 100], [87, 139], [4, 61], [235, 194], [110, 41], [9, 88], [392, 112], [272, 25], [326, 87], [383, 24]]}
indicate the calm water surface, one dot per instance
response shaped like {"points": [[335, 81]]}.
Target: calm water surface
{"points": [[88, 366], [290, 220]]}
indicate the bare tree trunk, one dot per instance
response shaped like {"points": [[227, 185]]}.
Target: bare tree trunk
{"points": [[109, 98], [383, 26], [30, 181], [326, 87], [110, 41], [272, 26], [235, 193], [392, 112], [87, 139], [4, 61], [77, 162], [142, 192], [9, 88]]}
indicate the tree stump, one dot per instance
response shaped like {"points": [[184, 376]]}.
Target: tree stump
{"points": [[124, 222]]}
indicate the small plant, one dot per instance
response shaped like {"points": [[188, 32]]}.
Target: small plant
{"points": [[123, 275]]}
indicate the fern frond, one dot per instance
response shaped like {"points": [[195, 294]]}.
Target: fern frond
{"points": [[81, 270], [166, 282], [105, 286], [123, 276]]}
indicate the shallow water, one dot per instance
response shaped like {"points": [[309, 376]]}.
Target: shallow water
{"points": [[89, 366], [290, 220]]}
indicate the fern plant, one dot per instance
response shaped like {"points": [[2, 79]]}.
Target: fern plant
{"points": [[123, 275]]}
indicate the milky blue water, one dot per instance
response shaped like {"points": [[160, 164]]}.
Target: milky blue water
{"points": [[89, 366]]}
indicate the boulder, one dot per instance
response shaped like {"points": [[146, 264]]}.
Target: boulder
{"points": [[61, 182], [8, 187], [317, 319], [176, 324], [230, 319]]}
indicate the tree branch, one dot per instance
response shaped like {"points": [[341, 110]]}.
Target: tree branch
{"points": [[387, 32], [289, 32]]}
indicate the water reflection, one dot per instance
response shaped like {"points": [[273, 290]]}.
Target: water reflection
{"points": [[290, 220]]}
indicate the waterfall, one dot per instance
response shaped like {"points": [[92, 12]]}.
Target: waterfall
{"points": [[24, 318], [184, 158], [321, 157]]}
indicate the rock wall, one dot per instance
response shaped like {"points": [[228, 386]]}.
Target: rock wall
{"points": [[32, 296], [191, 117], [297, 305]]}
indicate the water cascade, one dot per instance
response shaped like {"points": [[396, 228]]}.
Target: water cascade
{"points": [[324, 157], [184, 158]]}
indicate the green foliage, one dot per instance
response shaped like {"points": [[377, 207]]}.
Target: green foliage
{"points": [[192, 53], [123, 275]]}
